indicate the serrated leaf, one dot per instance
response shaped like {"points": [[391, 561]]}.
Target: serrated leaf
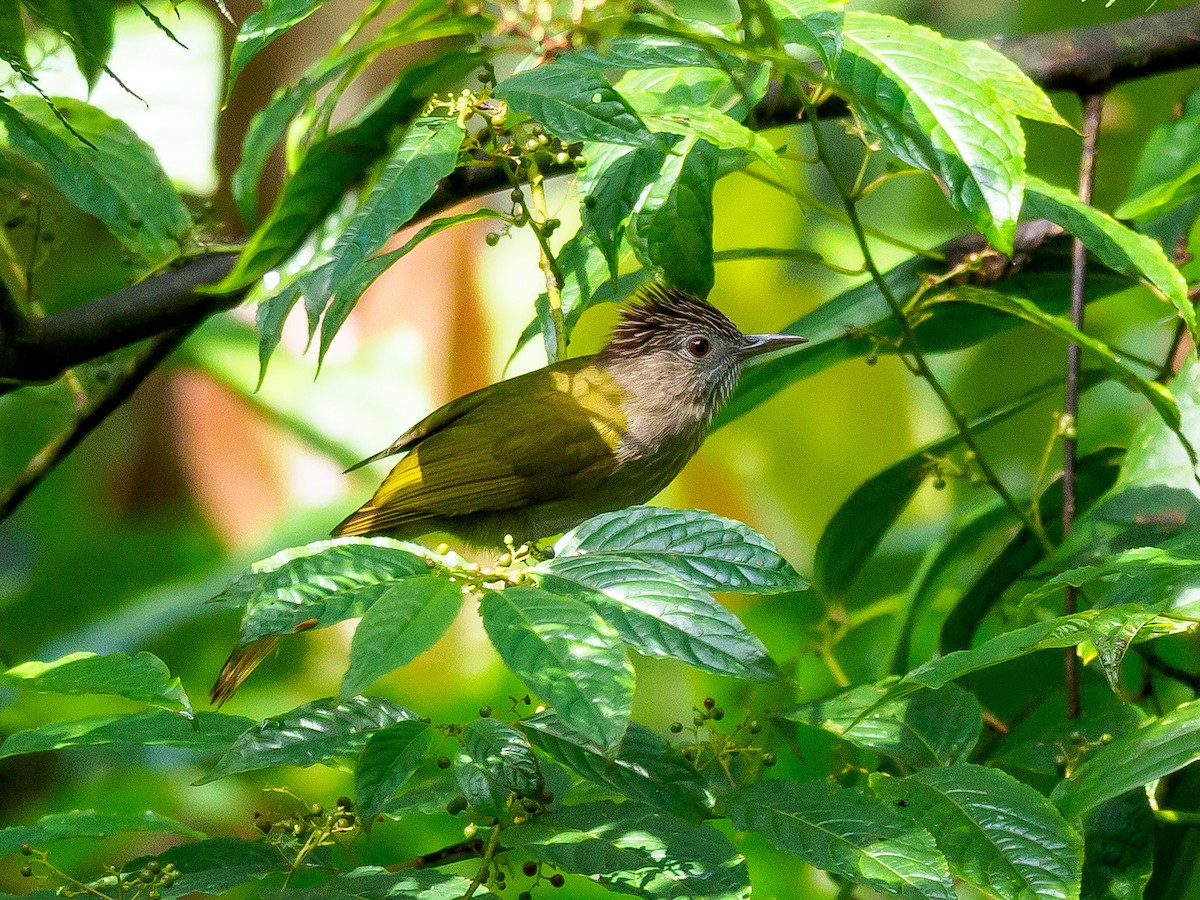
{"points": [[213, 866], [312, 733], [143, 677], [326, 581], [635, 849], [998, 834], [1159, 396], [1121, 249], [427, 153], [388, 760], [615, 177], [698, 547], [671, 228], [495, 762], [566, 654], [815, 24], [1014, 90], [87, 823], [847, 833], [646, 768], [88, 26], [718, 129], [262, 27], [576, 103], [375, 883], [858, 526], [931, 109], [405, 620], [117, 179], [658, 616], [152, 728], [653, 51], [928, 728], [1159, 747]]}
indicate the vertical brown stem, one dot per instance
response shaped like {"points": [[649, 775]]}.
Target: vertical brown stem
{"points": [[1092, 106]]}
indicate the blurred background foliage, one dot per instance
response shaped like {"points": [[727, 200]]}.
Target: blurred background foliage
{"points": [[199, 474]]}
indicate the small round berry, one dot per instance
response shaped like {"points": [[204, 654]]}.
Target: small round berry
{"points": [[26, 850], [485, 712], [754, 726], [26, 871], [676, 727], [769, 759], [525, 895], [443, 762], [718, 714], [530, 868], [557, 879], [709, 702]]}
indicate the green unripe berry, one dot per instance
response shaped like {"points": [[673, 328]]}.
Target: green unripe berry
{"points": [[491, 240], [443, 762], [485, 712], [26, 850], [754, 726], [26, 871], [718, 714], [676, 727], [769, 759]]}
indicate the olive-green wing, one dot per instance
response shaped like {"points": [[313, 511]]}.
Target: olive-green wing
{"points": [[556, 438]]}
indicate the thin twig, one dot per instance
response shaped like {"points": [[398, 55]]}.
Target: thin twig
{"points": [[909, 343], [554, 277], [1092, 109], [485, 864], [48, 458]]}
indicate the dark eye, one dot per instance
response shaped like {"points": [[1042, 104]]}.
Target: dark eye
{"points": [[698, 346]]}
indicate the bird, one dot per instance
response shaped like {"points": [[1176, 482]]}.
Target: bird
{"points": [[537, 454]]}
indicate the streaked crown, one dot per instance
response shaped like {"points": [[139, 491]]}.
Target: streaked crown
{"points": [[660, 314]]}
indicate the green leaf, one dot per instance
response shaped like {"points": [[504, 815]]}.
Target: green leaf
{"points": [[388, 760], [1158, 748], [374, 883], [496, 762], [566, 654], [262, 27], [720, 130], [928, 728], [815, 24], [856, 529], [646, 769], [1159, 396], [319, 584], [658, 616], [998, 834], [671, 229], [615, 177], [653, 51], [88, 27], [117, 179], [12, 36], [575, 103], [932, 109], [1118, 839], [1121, 249], [87, 823], [427, 153], [846, 833], [635, 849], [151, 728], [213, 866], [143, 677], [701, 549], [405, 620], [1168, 170], [312, 733], [1014, 90]]}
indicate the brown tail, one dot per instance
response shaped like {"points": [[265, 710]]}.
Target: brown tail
{"points": [[241, 663]]}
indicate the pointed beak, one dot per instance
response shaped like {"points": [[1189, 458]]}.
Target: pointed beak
{"points": [[757, 344]]}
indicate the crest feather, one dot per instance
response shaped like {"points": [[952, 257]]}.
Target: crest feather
{"points": [[656, 315]]}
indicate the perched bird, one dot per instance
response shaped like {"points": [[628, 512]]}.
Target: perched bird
{"points": [[538, 454]]}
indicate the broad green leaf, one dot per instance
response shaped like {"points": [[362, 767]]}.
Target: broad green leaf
{"points": [[575, 103], [1127, 563], [671, 229], [1121, 249], [1159, 396], [1158, 748], [1014, 89], [614, 179], [998, 834], [657, 615], [88, 27], [934, 111], [1118, 839], [815, 24], [209, 731], [646, 769], [388, 760], [653, 51], [375, 883], [698, 547], [118, 179], [427, 153], [847, 833], [405, 620], [87, 823], [262, 27], [143, 677], [319, 584], [928, 728], [855, 530], [634, 849], [1168, 170], [720, 130], [12, 36], [496, 761], [213, 866], [312, 733], [566, 654]]}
